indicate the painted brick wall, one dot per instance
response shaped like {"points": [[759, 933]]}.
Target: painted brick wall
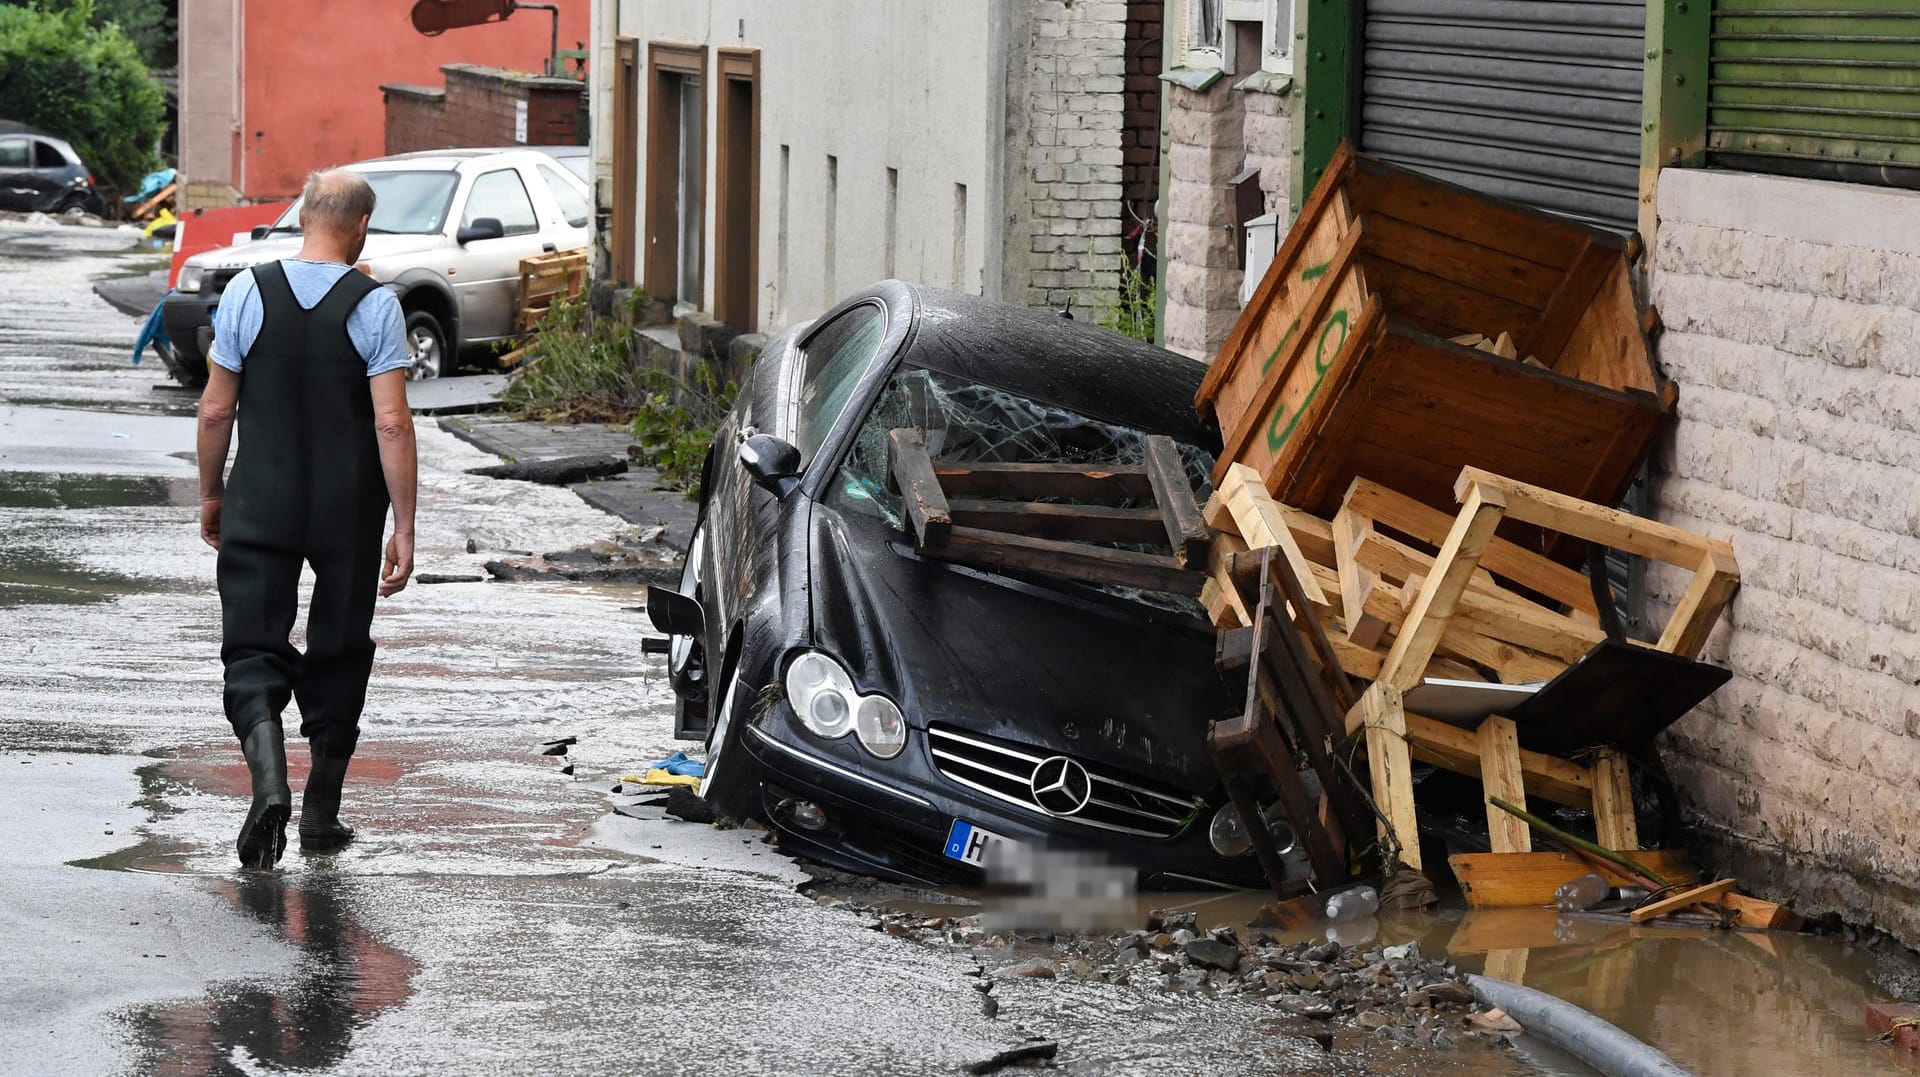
{"points": [[1076, 115], [479, 108], [1793, 330], [1214, 135]]}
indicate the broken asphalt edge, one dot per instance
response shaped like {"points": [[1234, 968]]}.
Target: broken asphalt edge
{"points": [[1585, 1035]]}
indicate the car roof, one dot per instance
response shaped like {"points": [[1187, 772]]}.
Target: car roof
{"points": [[1069, 363], [14, 127], [455, 158]]}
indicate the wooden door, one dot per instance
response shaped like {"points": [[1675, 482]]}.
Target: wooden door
{"points": [[676, 170], [626, 156], [737, 227]]}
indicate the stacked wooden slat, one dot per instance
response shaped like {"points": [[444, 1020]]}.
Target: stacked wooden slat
{"points": [[545, 278]]}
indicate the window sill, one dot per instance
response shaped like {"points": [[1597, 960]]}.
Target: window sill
{"points": [[1197, 79], [1266, 82]]}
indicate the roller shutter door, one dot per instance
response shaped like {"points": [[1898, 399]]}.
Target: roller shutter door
{"points": [[1826, 88], [1534, 101]]}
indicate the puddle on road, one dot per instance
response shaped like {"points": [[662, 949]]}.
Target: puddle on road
{"points": [[37, 490], [1719, 1002], [30, 576], [345, 979]]}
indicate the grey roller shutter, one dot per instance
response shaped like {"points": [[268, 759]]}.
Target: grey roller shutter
{"points": [[1533, 101]]}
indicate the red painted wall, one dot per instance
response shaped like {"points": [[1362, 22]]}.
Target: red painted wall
{"points": [[313, 72]]}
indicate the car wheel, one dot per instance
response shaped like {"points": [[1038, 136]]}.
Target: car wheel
{"points": [[428, 343], [74, 206], [189, 374]]}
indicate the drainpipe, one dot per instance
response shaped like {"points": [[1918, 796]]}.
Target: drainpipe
{"points": [[553, 44]]}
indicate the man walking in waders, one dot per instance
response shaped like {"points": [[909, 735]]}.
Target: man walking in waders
{"points": [[312, 358]]}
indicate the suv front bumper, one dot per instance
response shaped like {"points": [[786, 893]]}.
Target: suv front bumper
{"points": [[189, 322]]}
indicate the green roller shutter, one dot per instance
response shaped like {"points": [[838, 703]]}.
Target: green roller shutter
{"points": [[1817, 87]]}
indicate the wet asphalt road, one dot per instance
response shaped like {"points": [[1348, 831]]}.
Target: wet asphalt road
{"points": [[497, 916]]}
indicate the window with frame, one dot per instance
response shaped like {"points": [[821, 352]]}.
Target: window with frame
{"points": [[1206, 32], [500, 194], [1272, 21], [14, 153], [835, 359], [45, 155]]}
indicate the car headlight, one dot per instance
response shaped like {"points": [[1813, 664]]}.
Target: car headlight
{"points": [[826, 702], [881, 727], [190, 278]]}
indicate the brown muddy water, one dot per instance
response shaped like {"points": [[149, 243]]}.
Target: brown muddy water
{"points": [[1720, 1003]]}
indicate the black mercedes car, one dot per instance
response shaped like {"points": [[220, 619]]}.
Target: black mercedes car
{"points": [[905, 717]]}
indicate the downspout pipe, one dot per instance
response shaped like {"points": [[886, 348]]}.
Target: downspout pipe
{"points": [[553, 48], [1596, 1042]]}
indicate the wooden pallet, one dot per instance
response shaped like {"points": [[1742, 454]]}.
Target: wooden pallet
{"points": [[1134, 526], [1408, 593], [544, 279]]}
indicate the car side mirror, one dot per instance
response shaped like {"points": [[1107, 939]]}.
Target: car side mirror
{"points": [[773, 464], [260, 231], [480, 228], [674, 613]]}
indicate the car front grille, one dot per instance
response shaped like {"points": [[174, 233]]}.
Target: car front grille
{"points": [[217, 280], [1005, 771]]}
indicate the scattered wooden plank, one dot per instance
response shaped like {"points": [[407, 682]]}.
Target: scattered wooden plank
{"points": [[1613, 817], [1501, 879], [1385, 723], [910, 470], [1756, 914], [1500, 776], [1586, 520], [1696, 895], [1715, 579], [1058, 520], [1029, 482], [1068, 560], [145, 209], [1351, 531], [1186, 530], [1502, 558], [1406, 662], [1261, 523]]}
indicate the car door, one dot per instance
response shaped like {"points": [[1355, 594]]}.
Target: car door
{"points": [[489, 272], [51, 174], [16, 174]]}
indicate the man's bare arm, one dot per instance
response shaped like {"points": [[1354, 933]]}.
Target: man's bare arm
{"points": [[398, 462], [217, 405]]}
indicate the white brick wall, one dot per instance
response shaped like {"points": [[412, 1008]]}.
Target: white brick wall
{"points": [[1076, 88], [1793, 330]]}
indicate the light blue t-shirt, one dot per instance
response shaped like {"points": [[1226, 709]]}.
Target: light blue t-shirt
{"points": [[377, 327]]}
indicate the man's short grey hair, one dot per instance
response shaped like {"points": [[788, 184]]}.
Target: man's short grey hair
{"points": [[337, 197]]}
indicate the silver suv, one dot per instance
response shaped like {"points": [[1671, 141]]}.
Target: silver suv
{"points": [[447, 235]]}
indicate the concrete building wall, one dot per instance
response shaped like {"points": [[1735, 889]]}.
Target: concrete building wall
{"points": [[874, 85], [300, 92], [209, 100], [1793, 329], [1214, 135]]}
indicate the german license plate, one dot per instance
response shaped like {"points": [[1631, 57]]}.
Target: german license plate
{"points": [[970, 844]]}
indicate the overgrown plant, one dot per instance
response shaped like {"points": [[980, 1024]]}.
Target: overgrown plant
{"points": [[578, 370], [1133, 315]]}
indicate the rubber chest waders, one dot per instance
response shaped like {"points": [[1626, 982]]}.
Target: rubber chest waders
{"points": [[306, 487]]}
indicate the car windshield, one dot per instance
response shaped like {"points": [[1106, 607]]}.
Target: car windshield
{"points": [[411, 203], [971, 423]]}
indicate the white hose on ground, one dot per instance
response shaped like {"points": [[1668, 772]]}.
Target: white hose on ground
{"points": [[1592, 1040]]}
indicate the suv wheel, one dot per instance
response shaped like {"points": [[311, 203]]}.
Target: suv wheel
{"points": [[428, 343]]}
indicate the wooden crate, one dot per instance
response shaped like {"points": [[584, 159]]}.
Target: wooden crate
{"points": [[1341, 365]]}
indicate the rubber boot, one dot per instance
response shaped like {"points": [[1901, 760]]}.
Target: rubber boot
{"points": [[264, 835], [320, 827]]}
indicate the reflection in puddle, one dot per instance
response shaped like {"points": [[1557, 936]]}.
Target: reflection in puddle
{"points": [[345, 979]]}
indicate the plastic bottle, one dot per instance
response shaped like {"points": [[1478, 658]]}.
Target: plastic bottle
{"points": [[1353, 904], [1582, 893]]}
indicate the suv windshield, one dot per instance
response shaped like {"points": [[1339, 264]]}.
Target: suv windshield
{"points": [[970, 423], [413, 203]]}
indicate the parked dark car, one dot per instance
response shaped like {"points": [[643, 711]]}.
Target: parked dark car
{"points": [[900, 716], [41, 174]]}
